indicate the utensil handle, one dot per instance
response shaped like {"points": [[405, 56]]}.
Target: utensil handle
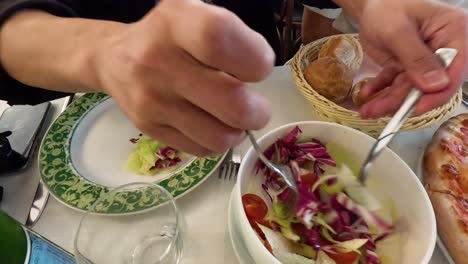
{"points": [[392, 128], [398, 120]]}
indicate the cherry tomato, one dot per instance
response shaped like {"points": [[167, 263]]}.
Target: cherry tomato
{"points": [[344, 258], [309, 178], [254, 206]]}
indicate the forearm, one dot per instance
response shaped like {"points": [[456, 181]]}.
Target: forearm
{"points": [[51, 52]]}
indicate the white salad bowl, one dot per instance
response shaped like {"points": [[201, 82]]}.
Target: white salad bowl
{"points": [[391, 181]]}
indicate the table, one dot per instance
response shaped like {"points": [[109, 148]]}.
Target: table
{"points": [[205, 208]]}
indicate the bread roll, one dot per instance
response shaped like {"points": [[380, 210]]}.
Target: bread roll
{"points": [[357, 97], [330, 78], [345, 48]]}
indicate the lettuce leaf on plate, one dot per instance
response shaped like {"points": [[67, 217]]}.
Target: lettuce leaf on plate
{"points": [[150, 155]]}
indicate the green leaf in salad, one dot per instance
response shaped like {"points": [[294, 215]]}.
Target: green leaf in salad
{"points": [[341, 156], [289, 233], [286, 250], [319, 219], [281, 211], [331, 189], [326, 234], [322, 180], [142, 159], [393, 242], [351, 245], [356, 190], [282, 215], [306, 251]]}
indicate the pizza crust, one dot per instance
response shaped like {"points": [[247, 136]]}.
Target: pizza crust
{"points": [[445, 172]]}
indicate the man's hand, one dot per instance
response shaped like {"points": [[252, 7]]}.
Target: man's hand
{"points": [[179, 75], [402, 36]]}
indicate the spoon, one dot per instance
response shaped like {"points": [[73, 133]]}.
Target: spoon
{"points": [[446, 55]]}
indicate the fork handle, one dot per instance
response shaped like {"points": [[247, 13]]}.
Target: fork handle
{"points": [[260, 153], [397, 121]]}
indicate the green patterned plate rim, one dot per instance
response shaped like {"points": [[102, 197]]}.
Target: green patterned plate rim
{"points": [[75, 191]]}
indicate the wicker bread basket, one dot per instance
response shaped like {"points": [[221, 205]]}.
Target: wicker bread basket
{"points": [[333, 112]]}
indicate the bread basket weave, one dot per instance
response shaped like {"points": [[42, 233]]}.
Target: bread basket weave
{"points": [[333, 112]]}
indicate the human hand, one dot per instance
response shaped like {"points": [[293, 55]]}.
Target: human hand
{"points": [[179, 75], [402, 36]]}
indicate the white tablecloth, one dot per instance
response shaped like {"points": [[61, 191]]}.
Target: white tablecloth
{"points": [[205, 208]]}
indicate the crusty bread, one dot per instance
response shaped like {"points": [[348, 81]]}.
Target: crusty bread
{"points": [[356, 96], [330, 78], [445, 172], [345, 48], [358, 99]]}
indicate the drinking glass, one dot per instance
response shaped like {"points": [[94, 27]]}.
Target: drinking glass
{"points": [[137, 223]]}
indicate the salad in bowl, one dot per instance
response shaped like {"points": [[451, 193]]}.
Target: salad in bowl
{"points": [[334, 219]]}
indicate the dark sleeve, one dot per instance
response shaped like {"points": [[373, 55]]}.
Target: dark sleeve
{"points": [[125, 11], [117, 10], [322, 4], [259, 16], [11, 90]]}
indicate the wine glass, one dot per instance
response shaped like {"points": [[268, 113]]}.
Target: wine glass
{"points": [[137, 223]]}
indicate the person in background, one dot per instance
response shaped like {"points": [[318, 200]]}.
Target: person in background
{"points": [[179, 70], [259, 16], [317, 20]]}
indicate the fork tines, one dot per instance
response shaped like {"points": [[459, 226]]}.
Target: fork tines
{"points": [[229, 170], [230, 167]]}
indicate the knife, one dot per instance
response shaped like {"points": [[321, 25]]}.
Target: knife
{"points": [[42, 194]]}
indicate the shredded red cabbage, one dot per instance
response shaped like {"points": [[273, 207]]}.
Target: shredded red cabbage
{"points": [[166, 153], [161, 164], [311, 236], [372, 257], [347, 219], [371, 218], [307, 200], [288, 149]]}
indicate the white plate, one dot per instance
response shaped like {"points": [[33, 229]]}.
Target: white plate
{"points": [[238, 245], [441, 245], [84, 152]]}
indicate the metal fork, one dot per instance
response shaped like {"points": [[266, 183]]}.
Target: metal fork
{"points": [[282, 170], [230, 167]]}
